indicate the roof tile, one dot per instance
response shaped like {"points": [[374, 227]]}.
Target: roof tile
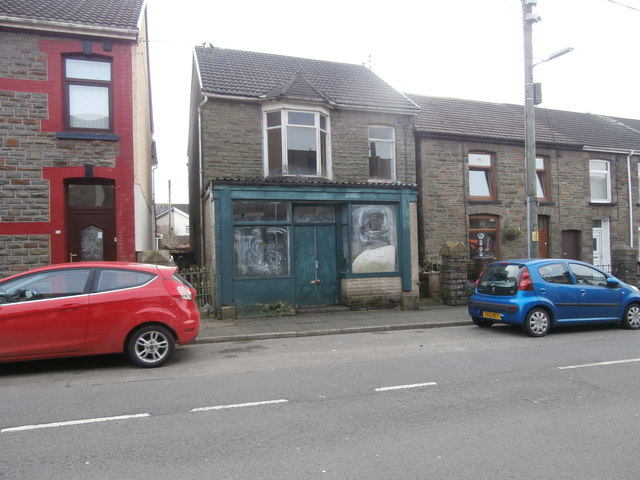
{"points": [[118, 14], [255, 75]]}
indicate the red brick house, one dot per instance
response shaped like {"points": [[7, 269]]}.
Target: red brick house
{"points": [[76, 132]]}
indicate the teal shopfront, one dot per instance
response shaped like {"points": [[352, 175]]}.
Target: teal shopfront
{"points": [[282, 246]]}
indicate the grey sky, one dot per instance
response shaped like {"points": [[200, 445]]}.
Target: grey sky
{"points": [[455, 48]]}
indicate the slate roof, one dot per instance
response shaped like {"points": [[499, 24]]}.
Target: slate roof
{"points": [[500, 121], [162, 208], [120, 15], [260, 75]]}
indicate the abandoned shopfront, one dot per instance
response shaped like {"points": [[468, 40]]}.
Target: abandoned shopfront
{"points": [[307, 244]]}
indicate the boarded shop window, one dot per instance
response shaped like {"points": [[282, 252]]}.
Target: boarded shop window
{"points": [[261, 251], [373, 239]]}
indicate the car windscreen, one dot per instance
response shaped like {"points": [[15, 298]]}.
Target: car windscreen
{"points": [[499, 279]]}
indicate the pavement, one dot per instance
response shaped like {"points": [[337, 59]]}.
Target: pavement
{"points": [[332, 321]]}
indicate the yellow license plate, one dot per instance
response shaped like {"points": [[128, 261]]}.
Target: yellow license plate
{"points": [[494, 315]]}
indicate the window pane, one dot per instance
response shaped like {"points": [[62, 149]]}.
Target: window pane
{"points": [[479, 160], [599, 189], [90, 196], [274, 140], [88, 107], [91, 244], [314, 214], [88, 69], [301, 118], [381, 133], [119, 279], [540, 187], [482, 244], [479, 183], [261, 251], [273, 119], [261, 211], [58, 283], [381, 149], [301, 151], [373, 238]]}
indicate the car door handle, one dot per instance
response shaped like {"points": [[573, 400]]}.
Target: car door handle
{"points": [[543, 290], [582, 292], [70, 306]]}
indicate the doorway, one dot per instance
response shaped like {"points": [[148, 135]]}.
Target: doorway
{"points": [[571, 244], [543, 236], [91, 220], [315, 247], [601, 244]]}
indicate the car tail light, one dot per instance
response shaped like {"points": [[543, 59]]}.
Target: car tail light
{"points": [[525, 280], [178, 290]]}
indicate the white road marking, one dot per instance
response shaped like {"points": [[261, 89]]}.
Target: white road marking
{"points": [[238, 405], [401, 387], [613, 362], [73, 422]]}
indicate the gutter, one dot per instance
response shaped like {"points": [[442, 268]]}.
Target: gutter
{"points": [[404, 111], [629, 154], [70, 28]]}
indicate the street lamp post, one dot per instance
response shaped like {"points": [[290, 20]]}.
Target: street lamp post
{"points": [[528, 19]]}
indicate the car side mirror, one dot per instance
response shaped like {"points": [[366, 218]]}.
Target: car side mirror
{"points": [[613, 282]]}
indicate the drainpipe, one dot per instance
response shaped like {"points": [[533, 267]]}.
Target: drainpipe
{"points": [[200, 230], [631, 153]]}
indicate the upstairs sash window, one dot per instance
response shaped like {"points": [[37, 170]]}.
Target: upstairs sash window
{"points": [[88, 94]]}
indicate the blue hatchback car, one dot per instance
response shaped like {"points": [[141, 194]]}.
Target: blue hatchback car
{"points": [[541, 293]]}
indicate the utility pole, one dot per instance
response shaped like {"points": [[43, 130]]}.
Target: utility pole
{"points": [[528, 19]]}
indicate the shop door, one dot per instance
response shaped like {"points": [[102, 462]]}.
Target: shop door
{"points": [[91, 225], [315, 265]]}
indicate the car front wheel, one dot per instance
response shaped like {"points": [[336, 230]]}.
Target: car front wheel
{"points": [[631, 318], [537, 323], [150, 346]]}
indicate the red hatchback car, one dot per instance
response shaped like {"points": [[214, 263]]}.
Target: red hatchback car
{"points": [[93, 308]]}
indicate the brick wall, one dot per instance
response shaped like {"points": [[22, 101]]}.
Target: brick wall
{"points": [[371, 292]]}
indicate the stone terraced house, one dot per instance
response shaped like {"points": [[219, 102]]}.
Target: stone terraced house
{"points": [[471, 172], [75, 132], [302, 183]]}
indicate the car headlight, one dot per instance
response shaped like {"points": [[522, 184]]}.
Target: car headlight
{"points": [[635, 288]]}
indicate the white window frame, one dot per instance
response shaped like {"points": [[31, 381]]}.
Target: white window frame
{"points": [[393, 150], [284, 109], [600, 172]]}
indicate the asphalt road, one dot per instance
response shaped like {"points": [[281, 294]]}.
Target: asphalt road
{"points": [[445, 403]]}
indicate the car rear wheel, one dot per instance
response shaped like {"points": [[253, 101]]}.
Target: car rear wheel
{"points": [[150, 346], [482, 322], [537, 323], [631, 318]]}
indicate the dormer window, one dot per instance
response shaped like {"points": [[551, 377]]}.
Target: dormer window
{"points": [[296, 143]]}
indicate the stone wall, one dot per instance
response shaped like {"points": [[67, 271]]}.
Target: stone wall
{"points": [[445, 207], [232, 142], [19, 253], [453, 276]]}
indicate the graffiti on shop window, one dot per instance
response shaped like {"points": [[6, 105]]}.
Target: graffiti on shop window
{"points": [[262, 251]]}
